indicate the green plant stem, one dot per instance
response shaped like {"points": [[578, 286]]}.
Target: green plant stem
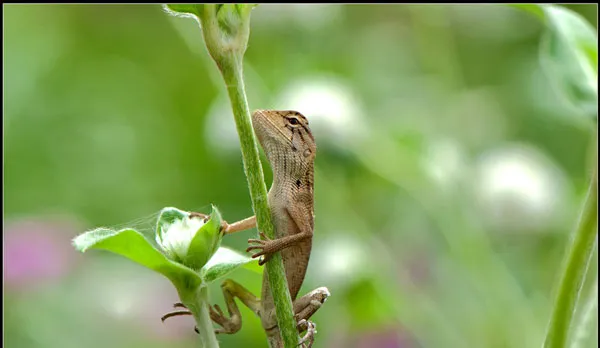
{"points": [[226, 36], [197, 302], [576, 262], [586, 323], [233, 76]]}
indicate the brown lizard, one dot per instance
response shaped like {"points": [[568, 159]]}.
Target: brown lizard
{"points": [[290, 148]]}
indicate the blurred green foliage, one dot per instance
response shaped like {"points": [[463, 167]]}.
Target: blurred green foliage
{"points": [[448, 176]]}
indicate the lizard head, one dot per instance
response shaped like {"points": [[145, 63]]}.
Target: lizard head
{"points": [[286, 131]]}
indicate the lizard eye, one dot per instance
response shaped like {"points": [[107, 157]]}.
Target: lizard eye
{"points": [[293, 121]]}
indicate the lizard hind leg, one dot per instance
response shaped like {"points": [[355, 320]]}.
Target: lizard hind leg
{"points": [[307, 305], [304, 308], [231, 290]]}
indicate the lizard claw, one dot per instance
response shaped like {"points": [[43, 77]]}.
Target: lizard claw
{"points": [[174, 314], [228, 325], [216, 311], [224, 224], [262, 241], [264, 259], [263, 251], [179, 305], [200, 215], [255, 247], [264, 247], [178, 313], [258, 241]]}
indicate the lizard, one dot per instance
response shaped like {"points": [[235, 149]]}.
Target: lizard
{"points": [[290, 148]]}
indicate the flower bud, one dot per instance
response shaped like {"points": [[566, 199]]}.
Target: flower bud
{"points": [[189, 239]]}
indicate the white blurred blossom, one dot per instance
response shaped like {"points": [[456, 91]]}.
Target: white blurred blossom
{"points": [[339, 259], [307, 16], [220, 128], [519, 188], [332, 108]]}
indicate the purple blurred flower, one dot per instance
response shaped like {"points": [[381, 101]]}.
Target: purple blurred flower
{"points": [[37, 251], [385, 338], [419, 268]]}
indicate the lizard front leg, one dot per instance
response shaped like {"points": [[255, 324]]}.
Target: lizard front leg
{"points": [[227, 228], [301, 216], [265, 245], [268, 246]]}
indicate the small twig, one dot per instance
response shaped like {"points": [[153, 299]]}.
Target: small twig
{"points": [[575, 266]]}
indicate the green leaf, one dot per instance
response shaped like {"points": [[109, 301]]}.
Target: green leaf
{"points": [[532, 8], [184, 10], [223, 262], [228, 15], [569, 55], [206, 241], [134, 246], [254, 267]]}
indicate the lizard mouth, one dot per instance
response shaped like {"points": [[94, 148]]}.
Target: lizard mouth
{"points": [[261, 114]]}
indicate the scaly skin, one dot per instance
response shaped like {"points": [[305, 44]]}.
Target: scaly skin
{"points": [[290, 148]]}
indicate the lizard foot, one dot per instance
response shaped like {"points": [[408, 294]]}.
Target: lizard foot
{"points": [[265, 246], [224, 224], [178, 313], [229, 326], [200, 215], [174, 314], [311, 330]]}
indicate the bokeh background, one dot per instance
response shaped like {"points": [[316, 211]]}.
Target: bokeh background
{"points": [[448, 176]]}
